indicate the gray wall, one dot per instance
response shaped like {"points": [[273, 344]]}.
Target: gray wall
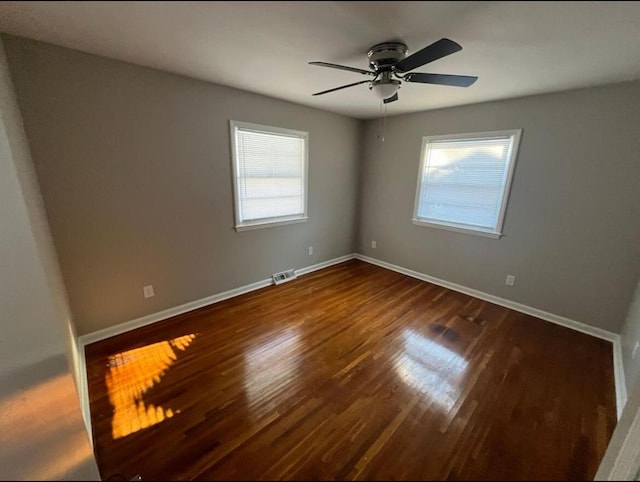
{"points": [[134, 166], [572, 226], [42, 436], [630, 335]]}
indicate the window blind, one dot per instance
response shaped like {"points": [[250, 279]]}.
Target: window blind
{"points": [[463, 181], [270, 175]]}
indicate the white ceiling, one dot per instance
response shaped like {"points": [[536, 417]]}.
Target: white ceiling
{"points": [[516, 48]]}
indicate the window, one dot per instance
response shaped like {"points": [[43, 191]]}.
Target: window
{"points": [[270, 175], [464, 180]]}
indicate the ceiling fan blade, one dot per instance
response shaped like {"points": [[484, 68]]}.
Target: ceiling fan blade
{"points": [[341, 87], [441, 79], [342, 67], [393, 98], [435, 51]]}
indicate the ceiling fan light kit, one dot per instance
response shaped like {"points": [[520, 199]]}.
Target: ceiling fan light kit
{"points": [[390, 66], [384, 88]]}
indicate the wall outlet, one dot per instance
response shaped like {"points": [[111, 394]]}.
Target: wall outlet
{"points": [[635, 350], [373, 244], [510, 280], [148, 291], [310, 250]]}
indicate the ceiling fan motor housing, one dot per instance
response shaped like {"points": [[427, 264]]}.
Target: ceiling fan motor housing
{"points": [[383, 56]]}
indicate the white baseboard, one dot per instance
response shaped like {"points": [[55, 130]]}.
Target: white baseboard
{"points": [[618, 371], [325, 264], [614, 338], [83, 391]]}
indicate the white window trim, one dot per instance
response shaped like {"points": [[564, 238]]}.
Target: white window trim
{"points": [[466, 228], [266, 222]]}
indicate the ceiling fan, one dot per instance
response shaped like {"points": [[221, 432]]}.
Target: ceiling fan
{"points": [[390, 66]]}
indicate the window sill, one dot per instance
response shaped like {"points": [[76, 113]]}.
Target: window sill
{"points": [[458, 229], [269, 224]]}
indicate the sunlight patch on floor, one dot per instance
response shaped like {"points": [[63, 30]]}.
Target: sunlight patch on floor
{"points": [[131, 374]]}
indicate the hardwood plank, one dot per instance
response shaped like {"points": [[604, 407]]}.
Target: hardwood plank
{"points": [[351, 372]]}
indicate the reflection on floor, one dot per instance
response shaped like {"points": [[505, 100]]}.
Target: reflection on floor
{"points": [[131, 374], [431, 368], [270, 367]]}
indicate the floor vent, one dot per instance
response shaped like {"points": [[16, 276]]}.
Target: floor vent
{"points": [[284, 276]]}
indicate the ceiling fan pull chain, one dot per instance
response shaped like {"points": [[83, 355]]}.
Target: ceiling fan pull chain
{"points": [[384, 121], [381, 122]]}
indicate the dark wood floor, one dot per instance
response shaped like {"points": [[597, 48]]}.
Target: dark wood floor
{"points": [[351, 372]]}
